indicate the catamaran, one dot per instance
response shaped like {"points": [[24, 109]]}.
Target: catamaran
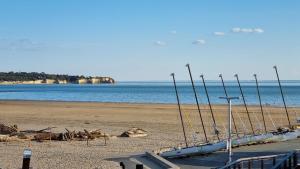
{"points": [[247, 139]]}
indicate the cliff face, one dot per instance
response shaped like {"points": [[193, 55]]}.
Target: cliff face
{"points": [[42, 78], [95, 80], [23, 82]]}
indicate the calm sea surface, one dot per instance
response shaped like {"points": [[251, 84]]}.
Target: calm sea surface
{"points": [[153, 92]]}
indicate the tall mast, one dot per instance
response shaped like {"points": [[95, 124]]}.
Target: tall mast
{"points": [[261, 107], [196, 98], [179, 109], [244, 101], [226, 94], [211, 111], [286, 111]]}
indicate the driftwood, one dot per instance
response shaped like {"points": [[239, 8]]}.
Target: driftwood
{"points": [[4, 129], [134, 132], [48, 136], [69, 135], [11, 132], [4, 138], [98, 133], [38, 131], [7, 138], [20, 135]]}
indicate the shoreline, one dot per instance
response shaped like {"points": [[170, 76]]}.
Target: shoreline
{"points": [[142, 103]]}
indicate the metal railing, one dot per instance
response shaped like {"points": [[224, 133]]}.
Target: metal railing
{"points": [[290, 161], [278, 161]]}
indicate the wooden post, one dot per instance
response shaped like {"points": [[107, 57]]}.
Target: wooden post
{"points": [[122, 165], [26, 159], [87, 141], [139, 166]]}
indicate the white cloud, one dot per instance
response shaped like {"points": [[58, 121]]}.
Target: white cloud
{"points": [[199, 42], [247, 30], [219, 33], [258, 30], [160, 43], [173, 32], [20, 44], [236, 30]]}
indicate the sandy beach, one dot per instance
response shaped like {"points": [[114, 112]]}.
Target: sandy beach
{"points": [[161, 121]]}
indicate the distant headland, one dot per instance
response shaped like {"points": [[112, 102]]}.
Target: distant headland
{"points": [[43, 78]]}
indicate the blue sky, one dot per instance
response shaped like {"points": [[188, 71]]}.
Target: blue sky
{"points": [[149, 39]]}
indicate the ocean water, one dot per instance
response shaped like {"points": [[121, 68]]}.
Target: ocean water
{"points": [[154, 92]]}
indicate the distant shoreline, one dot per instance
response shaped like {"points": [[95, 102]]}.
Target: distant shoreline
{"points": [[1, 83], [44, 78], [50, 81]]}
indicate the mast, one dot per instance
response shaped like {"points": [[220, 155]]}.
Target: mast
{"points": [[196, 98], [211, 111], [261, 107], [244, 101], [226, 94], [286, 111], [179, 109]]}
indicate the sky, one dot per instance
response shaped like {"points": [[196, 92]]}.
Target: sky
{"points": [[147, 40]]}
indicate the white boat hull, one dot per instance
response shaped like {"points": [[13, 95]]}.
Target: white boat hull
{"points": [[246, 140], [195, 150]]}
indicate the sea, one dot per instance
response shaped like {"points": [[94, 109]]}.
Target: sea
{"points": [[156, 92]]}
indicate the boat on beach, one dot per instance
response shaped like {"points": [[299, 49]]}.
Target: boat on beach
{"points": [[208, 148], [221, 144]]}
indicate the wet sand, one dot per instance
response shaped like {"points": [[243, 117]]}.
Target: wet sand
{"points": [[160, 120]]}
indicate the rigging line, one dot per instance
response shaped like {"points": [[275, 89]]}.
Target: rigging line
{"points": [[270, 117], [294, 110], [187, 116], [210, 108], [244, 101], [243, 124], [226, 94], [222, 123], [257, 121], [260, 103]]}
